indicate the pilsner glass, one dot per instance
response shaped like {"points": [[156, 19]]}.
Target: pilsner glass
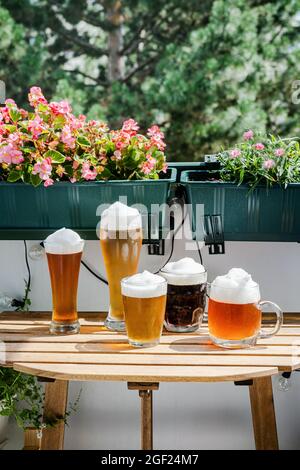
{"points": [[235, 314], [121, 240], [144, 298], [64, 251]]}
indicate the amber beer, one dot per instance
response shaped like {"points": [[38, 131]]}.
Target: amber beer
{"points": [[121, 241], [233, 321], [64, 266], [144, 298], [235, 311]]}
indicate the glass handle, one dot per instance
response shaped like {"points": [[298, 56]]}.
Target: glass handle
{"points": [[279, 315]]}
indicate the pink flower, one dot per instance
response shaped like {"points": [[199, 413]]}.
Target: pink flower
{"points": [[117, 154], [154, 131], [73, 180], [10, 103], [36, 97], [75, 123], [87, 173], [279, 152], [9, 154], [75, 165], [164, 168], [158, 143], [48, 182], [235, 153], [268, 164], [43, 168], [259, 146], [36, 127], [67, 138], [15, 138], [60, 107], [148, 166], [248, 135], [130, 127]]}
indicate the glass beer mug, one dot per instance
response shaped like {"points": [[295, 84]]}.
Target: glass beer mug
{"points": [[121, 241], [235, 311]]}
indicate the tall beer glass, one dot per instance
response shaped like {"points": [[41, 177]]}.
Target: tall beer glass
{"points": [[121, 240], [64, 251], [144, 297]]}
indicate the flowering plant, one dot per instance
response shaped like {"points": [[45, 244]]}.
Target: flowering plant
{"points": [[51, 144], [261, 160]]}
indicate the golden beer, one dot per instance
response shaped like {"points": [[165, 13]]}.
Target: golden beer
{"points": [[121, 241], [121, 257], [64, 269], [144, 299]]}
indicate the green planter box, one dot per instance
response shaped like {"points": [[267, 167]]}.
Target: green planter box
{"points": [[260, 215], [32, 213]]}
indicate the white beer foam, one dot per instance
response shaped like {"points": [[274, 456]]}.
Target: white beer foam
{"points": [[235, 287], [144, 285], [120, 217], [63, 242], [184, 272]]}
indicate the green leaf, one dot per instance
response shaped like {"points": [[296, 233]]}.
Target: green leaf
{"points": [[55, 156], [83, 141], [59, 122], [14, 114], [14, 175], [35, 180], [27, 149], [10, 128]]}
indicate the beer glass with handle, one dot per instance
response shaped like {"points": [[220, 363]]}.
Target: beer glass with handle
{"points": [[121, 240], [235, 311], [144, 298], [64, 250], [186, 295]]}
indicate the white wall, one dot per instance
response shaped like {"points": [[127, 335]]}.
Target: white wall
{"points": [[187, 416]]}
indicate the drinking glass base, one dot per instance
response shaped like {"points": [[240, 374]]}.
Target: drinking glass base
{"points": [[62, 328], [181, 329], [114, 325], [139, 344], [234, 343]]}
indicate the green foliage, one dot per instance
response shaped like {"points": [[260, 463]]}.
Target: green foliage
{"points": [[21, 396], [265, 160], [204, 71]]}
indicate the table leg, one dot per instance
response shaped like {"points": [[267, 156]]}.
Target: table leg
{"points": [[56, 395], [145, 393], [32, 440], [263, 414]]}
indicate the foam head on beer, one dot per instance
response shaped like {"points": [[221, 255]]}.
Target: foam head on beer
{"points": [[235, 287], [63, 242], [144, 285], [120, 217], [185, 271]]}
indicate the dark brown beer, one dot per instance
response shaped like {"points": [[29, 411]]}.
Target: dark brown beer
{"points": [[185, 306], [64, 272]]}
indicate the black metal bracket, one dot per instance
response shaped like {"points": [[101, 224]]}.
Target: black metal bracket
{"points": [[243, 382], [156, 247], [214, 234], [286, 375]]}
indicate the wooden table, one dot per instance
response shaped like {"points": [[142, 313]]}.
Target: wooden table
{"points": [[98, 354]]}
